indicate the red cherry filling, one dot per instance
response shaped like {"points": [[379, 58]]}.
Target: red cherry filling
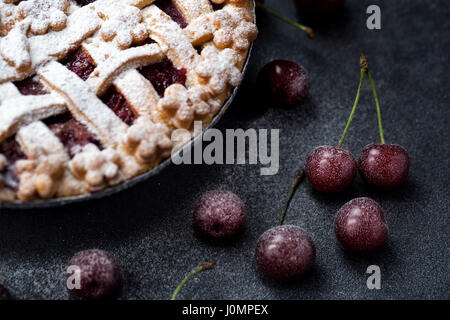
{"points": [[217, 6], [83, 3], [30, 86], [70, 132], [171, 10], [80, 63], [119, 105], [163, 74], [11, 150], [146, 41]]}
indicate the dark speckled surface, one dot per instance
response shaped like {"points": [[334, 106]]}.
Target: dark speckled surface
{"points": [[148, 228]]}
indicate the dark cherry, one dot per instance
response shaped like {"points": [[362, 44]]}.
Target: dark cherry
{"points": [[384, 166], [4, 293], [284, 82], [99, 274], [285, 252], [80, 63], [30, 86], [171, 10], [70, 132], [318, 6], [119, 105], [330, 169], [360, 226], [219, 214], [163, 74]]}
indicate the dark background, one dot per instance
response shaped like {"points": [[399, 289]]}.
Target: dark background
{"points": [[148, 228]]}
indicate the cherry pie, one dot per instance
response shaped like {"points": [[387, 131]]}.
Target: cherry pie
{"points": [[90, 91]]}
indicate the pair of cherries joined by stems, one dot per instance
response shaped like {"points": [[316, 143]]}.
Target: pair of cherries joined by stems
{"points": [[331, 169]]}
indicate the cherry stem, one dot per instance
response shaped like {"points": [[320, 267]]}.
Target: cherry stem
{"points": [[377, 103], [349, 121], [201, 267], [309, 32], [299, 176]]}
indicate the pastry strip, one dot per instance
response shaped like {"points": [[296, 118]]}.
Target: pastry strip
{"points": [[192, 9], [135, 88], [84, 105], [23, 110], [55, 44], [168, 34], [104, 74]]}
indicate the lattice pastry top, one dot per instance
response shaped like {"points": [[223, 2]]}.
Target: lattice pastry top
{"points": [[90, 91]]}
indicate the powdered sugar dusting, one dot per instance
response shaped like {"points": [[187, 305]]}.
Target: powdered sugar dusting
{"points": [[43, 14], [114, 34], [97, 168], [122, 22], [23, 110], [41, 172], [84, 104], [15, 50], [132, 58], [218, 69], [147, 140], [219, 213]]}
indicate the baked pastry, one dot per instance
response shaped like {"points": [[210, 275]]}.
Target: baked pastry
{"points": [[90, 91]]}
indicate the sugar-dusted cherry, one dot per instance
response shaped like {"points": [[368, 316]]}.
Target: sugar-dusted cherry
{"points": [[285, 252], [98, 272], [360, 226], [284, 82], [330, 169], [384, 166], [219, 214]]}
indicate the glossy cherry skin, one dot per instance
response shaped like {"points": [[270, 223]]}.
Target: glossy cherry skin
{"points": [[360, 226], [285, 252], [284, 82], [384, 166], [330, 169], [318, 6]]}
